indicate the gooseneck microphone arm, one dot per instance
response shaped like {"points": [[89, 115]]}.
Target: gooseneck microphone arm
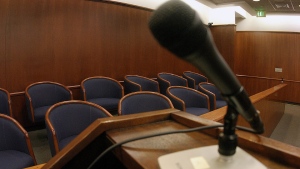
{"points": [[177, 27]]}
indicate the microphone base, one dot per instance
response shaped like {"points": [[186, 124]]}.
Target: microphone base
{"points": [[209, 158]]}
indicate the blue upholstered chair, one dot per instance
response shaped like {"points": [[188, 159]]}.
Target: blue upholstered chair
{"points": [[103, 91], [42, 95], [189, 100], [143, 101], [65, 120], [5, 102], [194, 79], [15, 147], [134, 83], [215, 97], [166, 80]]}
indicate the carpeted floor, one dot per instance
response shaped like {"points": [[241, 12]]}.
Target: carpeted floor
{"points": [[288, 129], [40, 145]]}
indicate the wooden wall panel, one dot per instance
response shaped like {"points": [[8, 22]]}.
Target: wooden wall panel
{"points": [[55, 40], [76, 35], [3, 20], [270, 112], [253, 85], [257, 54], [67, 41], [29, 45], [269, 103], [224, 37], [292, 92]]}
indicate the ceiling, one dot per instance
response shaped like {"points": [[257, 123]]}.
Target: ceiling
{"points": [[270, 6]]}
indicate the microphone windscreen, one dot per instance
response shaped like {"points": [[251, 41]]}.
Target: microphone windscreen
{"points": [[175, 24]]}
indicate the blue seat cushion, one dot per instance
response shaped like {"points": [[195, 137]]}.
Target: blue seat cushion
{"points": [[196, 110], [40, 112], [64, 142], [107, 103], [11, 159], [220, 104]]}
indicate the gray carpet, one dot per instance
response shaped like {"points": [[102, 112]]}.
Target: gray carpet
{"points": [[288, 128], [40, 145]]}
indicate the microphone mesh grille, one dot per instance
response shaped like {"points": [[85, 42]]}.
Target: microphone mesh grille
{"points": [[170, 21]]}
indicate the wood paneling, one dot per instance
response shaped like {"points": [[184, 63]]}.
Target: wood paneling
{"points": [[254, 84], [29, 46], [19, 110], [268, 102], [271, 113], [66, 41], [292, 92], [224, 37], [3, 20], [259, 53]]}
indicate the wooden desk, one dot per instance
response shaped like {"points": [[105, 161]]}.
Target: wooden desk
{"points": [[35, 167], [144, 153]]}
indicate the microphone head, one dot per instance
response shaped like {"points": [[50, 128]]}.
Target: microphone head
{"points": [[175, 24]]}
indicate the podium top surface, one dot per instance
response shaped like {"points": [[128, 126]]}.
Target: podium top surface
{"points": [[145, 153]]}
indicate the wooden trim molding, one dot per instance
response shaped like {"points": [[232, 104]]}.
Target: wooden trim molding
{"points": [[267, 102]]}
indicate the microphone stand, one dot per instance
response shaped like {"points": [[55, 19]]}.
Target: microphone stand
{"points": [[228, 139]]}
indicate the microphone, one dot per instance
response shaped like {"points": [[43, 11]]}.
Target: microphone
{"points": [[178, 28]]}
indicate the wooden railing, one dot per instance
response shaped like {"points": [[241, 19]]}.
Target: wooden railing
{"points": [[256, 84], [268, 102]]}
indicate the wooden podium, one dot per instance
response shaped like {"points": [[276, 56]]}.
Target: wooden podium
{"points": [[144, 153]]}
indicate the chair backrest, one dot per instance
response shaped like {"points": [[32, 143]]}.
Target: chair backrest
{"points": [[45, 93], [134, 83], [143, 101], [5, 102], [212, 92], [166, 80], [101, 87], [183, 97], [194, 79], [65, 120], [14, 137]]}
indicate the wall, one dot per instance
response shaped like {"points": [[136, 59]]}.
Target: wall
{"points": [[224, 37], [257, 54], [67, 41], [275, 22], [202, 8], [239, 13]]}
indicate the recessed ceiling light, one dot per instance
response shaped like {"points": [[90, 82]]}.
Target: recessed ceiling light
{"points": [[256, 0]]}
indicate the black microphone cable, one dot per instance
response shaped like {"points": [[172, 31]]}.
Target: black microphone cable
{"points": [[164, 133]]}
